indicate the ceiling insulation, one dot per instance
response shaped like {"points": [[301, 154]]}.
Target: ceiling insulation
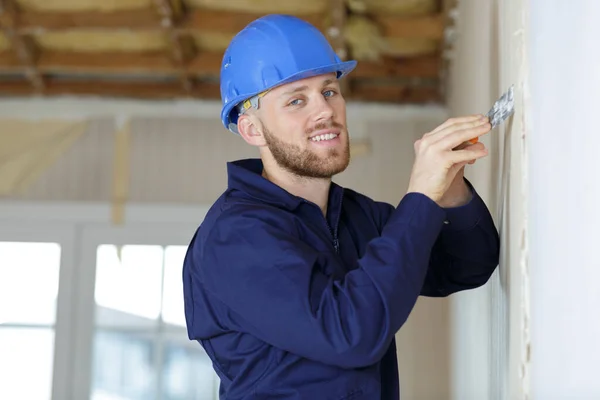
{"points": [[85, 41], [263, 6], [404, 7], [82, 5], [398, 45], [367, 42], [4, 43]]}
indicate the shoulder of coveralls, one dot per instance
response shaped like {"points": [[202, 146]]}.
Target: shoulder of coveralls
{"points": [[239, 217]]}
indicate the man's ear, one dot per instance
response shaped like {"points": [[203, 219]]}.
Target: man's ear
{"points": [[250, 130]]}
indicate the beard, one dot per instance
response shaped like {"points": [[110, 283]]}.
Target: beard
{"points": [[306, 163]]}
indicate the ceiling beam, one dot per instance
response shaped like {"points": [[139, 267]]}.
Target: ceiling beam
{"points": [[411, 67], [139, 90], [143, 19], [422, 27], [335, 35], [202, 64], [181, 48], [22, 46], [205, 20], [400, 94]]}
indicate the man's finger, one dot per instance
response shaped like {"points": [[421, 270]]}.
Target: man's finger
{"points": [[467, 145], [454, 139], [467, 155], [454, 121], [453, 129]]}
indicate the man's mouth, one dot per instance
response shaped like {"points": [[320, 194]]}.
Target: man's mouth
{"points": [[324, 136]]}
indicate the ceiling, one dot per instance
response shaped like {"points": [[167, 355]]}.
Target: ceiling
{"points": [[163, 49]]}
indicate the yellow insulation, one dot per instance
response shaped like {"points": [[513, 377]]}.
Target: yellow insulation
{"points": [[399, 7], [263, 6], [83, 5], [90, 41], [367, 43], [4, 43]]}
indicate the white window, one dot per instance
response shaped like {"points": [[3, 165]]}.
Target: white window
{"points": [[140, 349], [36, 265], [93, 311], [29, 277]]}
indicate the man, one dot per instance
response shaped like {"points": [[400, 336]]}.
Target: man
{"points": [[295, 286]]}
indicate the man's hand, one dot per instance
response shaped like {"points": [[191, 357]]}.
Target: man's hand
{"points": [[442, 154]]}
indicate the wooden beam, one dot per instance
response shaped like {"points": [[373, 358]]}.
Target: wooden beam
{"points": [[335, 35], [181, 49], [395, 93], [139, 90], [172, 90], [203, 64], [22, 45], [206, 20], [420, 67], [194, 20], [34, 22], [8, 11], [422, 27], [9, 62]]}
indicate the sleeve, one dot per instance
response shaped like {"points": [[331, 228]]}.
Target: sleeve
{"points": [[467, 251], [273, 285], [465, 254]]}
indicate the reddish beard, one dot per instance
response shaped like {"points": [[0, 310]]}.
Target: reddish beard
{"points": [[304, 162]]}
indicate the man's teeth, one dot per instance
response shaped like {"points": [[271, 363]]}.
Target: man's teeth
{"points": [[327, 136]]}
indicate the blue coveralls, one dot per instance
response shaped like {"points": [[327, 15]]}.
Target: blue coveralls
{"points": [[290, 304]]}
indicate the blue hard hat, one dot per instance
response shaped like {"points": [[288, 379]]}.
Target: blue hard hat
{"points": [[271, 51]]}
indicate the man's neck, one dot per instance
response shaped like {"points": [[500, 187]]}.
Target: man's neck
{"points": [[312, 189]]}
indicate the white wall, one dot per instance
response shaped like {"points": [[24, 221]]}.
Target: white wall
{"points": [[179, 157], [490, 325], [565, 198]]}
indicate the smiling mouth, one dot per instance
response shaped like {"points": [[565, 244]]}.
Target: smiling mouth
{"points": [[324, 137]]}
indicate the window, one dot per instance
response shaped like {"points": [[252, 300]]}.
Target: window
{"points": [[90, 310], [29, 280], [140, 345]]}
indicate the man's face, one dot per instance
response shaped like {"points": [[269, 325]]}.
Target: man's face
{"points": [[304, 127]]}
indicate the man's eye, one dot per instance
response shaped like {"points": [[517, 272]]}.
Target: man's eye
{"points": [[295, 102], [329, 93]]}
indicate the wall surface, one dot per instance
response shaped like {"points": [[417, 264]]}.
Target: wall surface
{"points": [[180, 160], [490, 325], [565, 194]]}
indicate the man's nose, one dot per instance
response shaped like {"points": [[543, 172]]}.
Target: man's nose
{"points": [[323, 109]]}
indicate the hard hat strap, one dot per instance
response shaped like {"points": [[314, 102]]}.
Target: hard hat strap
{"points": [[253, 101]]}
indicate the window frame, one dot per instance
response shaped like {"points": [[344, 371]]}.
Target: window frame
{"points": [[91, 237], [65, 236], [79, 228]]}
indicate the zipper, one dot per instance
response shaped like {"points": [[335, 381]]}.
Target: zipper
{"points": [[336, 242], [332, 231]]}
